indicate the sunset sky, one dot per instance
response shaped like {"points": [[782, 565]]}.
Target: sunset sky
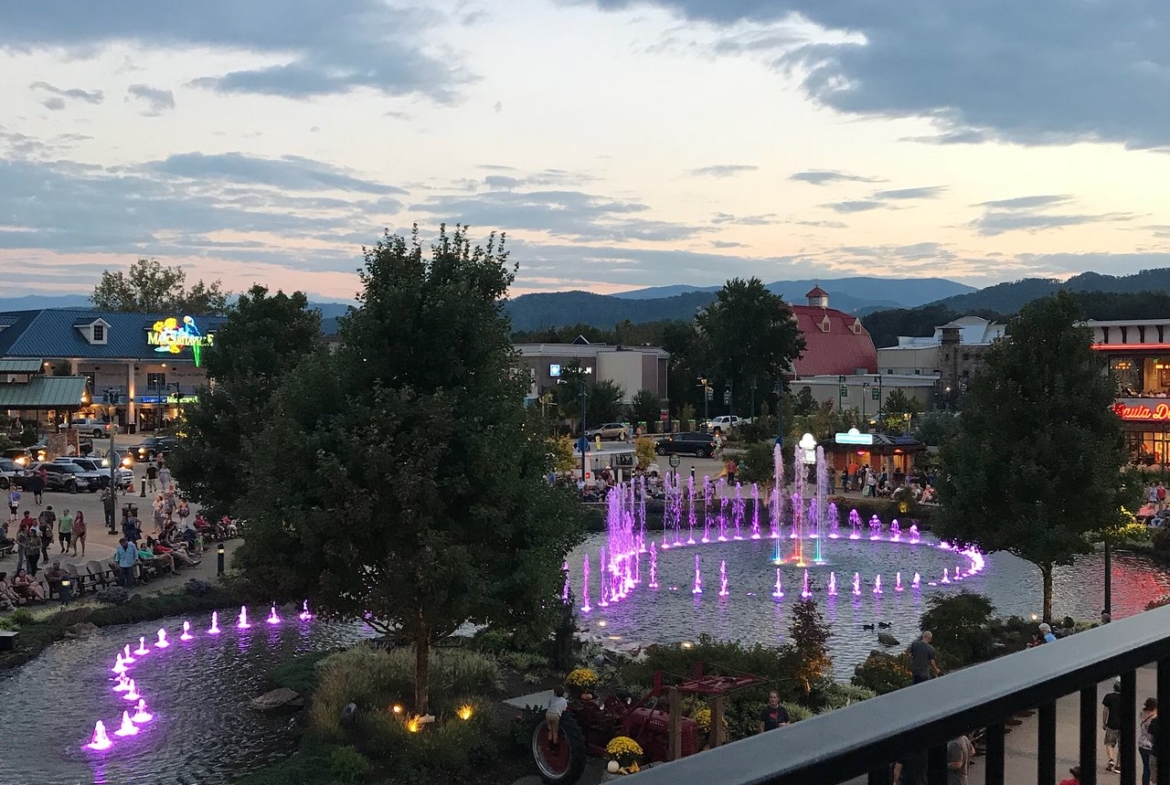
{"points": [[619, 144]]}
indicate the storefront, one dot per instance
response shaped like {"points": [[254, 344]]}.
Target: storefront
{"points": [[1145, 423], [1137, 356], [879, 451]]}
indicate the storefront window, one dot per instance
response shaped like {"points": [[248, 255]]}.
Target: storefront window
{"points": [[1148, 447]]}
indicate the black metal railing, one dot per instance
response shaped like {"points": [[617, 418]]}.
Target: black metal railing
{"points": [[866, 738]]}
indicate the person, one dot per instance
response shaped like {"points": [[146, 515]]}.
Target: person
{"points": [[26, 587], [126, 555], [773, 715], [55, 575], [79, 533], [910, 769], [1111, 722], [1154, 749], [32, 549], [7, 595], [958, 761], [732, 468], [1046, 634], [13, 500], [65, 531], [48, 520], [851, 476], [1075, 779], [1145, 737], [1161, 496], [109, 502], [923, 662], [37, 486], [556, 707], [151, 478], [185, 510], [164, 479]]}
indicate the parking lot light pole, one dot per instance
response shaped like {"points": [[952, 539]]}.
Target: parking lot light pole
{"points": [[584, 439]]}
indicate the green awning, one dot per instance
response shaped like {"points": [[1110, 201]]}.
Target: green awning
{"points": [[20, 366], [44, 392]]}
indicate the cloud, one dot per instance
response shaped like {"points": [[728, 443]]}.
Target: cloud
{"points": [[745, 220], [1039, 72], [58, 97], [823, 176], [906, 194], [726, 244], [540, 179], [723, 170], [288, 172], [1033, 214], [854, 206], [327, 46], [157, 101]]}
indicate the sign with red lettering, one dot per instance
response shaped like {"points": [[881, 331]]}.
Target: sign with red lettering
{"points": [[1139, 410]]}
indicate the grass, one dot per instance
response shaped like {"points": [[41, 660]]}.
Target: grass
{"points": [[300, 673]]}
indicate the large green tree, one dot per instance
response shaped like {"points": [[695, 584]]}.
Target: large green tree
{"points": [[148, 287], [400, 479], [1035, 465], [264, 337], [645, 407], [751, 334]]}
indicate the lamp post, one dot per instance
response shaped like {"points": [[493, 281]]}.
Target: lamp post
{"points": [[864, 395], [584, 439], [807, 456], [706, 398]]}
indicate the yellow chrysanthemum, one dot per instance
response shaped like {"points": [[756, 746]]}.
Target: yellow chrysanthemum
{"points": [[581, 678], [620, 746]]}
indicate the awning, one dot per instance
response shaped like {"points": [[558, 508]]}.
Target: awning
{"points": [[44, 392], [20, 366]]}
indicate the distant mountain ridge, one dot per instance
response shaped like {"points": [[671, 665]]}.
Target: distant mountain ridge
{"points": [[1010, 297], [35, 302], [871, 291]]}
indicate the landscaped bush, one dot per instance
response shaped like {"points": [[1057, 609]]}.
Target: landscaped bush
{"points": [[961, 624], [301, 673], [376, 679], [450, 746], [796, 712], [776, 665], [838, 696], [348, 765], [115, 595], [883, 673], [197, 587], [17, 619]]}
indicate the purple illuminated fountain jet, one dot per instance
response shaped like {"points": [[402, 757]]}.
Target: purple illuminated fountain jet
{"points": [[723, 579], [778, 592], [653, 566], [804, 590], [698, 588], [305, 614], [832, 584], [585, 607], [242, 621], [100, 741], [274, 619], [186, 636], [214, 628], [854, 525], [141, 715], [162, 642], [127, 728]]}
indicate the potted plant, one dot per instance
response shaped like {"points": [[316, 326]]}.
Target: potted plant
{"points": [[581, 683], [625, 752]]}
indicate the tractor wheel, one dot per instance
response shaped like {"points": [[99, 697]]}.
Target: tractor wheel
{"points": [[564, 763]]}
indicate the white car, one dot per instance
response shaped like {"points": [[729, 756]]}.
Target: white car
{"points": [[725, 423], [100, 467]]}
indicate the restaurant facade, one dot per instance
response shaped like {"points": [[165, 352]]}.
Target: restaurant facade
{"points": [[1137, 353]]}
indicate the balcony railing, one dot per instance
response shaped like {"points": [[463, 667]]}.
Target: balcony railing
{"points": [[866, 738]]}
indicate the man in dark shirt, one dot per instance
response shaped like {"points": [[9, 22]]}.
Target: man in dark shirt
{"points": [[1111, 721], [923, 665], [774, 715]]}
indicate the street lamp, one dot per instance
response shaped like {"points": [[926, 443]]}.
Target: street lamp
{"points": [[807, 454], [706, 398], [584, 440]]}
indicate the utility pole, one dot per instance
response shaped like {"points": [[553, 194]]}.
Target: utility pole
{"points": [[706, 398], [584, 440]]}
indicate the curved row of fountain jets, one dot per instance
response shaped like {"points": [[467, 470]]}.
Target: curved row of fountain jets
{"points": [[128, 689]]}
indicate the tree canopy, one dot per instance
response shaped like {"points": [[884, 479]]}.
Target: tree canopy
{"points": [[265, 336], [149, 287], [1035, 464], [400, 479]]}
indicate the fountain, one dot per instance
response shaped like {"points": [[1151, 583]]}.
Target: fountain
{"points": [[126, 658], [913, 532], [778, 592], [706, 508], [132, 693], [127, 728], [274, 619], [585, 607], [854, 525], [214, 629], [877, 585], [875, 528], [603, 572], [305, 615], [834, 521], [723, 579], [822, 500], [832, 584], [690, 511], [653, 566], [945, 577], [162, 642], [721, 493], [917, 582], [737, 511], [856, 585], [122, 684], [141, 715], [142, 650], [242, 622], [100, 740], [898, 582], [895, 531], [698, 589], [755, 511], [119, 666], [804, 590], [186, 636]]}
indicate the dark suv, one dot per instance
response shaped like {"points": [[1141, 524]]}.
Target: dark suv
{"points": [[153, 445], [701, 445]]}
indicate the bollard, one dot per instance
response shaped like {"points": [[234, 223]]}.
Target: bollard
{"points": [[143, 494], [219, 565]]}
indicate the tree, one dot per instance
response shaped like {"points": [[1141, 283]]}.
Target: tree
{"points": [[400, 479], [804, 404], [936, 428], [1036, 462], [645, 407], [751, 333], [689, 360], [265, 336], [148, 287], [810, 637], [603, 403], [898, 402]]}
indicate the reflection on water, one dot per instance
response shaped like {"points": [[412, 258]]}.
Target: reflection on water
{"points": [[203, 731], [750, 614]]}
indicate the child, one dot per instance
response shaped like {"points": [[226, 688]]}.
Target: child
{"points": [[1075, 779], [556, 707]]}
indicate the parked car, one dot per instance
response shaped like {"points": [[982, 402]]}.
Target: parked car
{"points": [[11, 473], [67, 477], [90, 426], [725, 423], [610, 430], [101, 468], [701, 445], [153, 445]]}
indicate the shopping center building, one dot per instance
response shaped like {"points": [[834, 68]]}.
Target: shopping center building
{"points": [[1138, 354], [136, 369]]}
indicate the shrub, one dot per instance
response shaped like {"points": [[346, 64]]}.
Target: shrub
{"points": [[523, 661], [348, 765], [756, 462], [796, 712], [21, 617], [838, 696], [301, 673], [376, 679], [883, 673], [197, 587], [453, 747], [115, 595], [492, 640], [810, 637], [961, 624]]}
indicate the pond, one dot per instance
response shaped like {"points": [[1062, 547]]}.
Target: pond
{"points": [[749, 612], [203, 731]]}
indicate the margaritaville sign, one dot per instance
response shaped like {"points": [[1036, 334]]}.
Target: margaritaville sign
{"points": [[172, 336], [1142, 410]]}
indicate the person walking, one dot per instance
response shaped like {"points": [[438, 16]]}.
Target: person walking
{"points": [[109, 502], [13, 500], [37, 486], [1145, 737], [1111, 722], [79, 533], [65, 531], [923, 659], [47, 520], [151, 478], [732, 468], [958, 760], [164, 479], [32, 550], [126, 555], [773, 715]]}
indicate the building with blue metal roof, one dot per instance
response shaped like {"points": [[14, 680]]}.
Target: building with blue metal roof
{"points": [[138, 368]]}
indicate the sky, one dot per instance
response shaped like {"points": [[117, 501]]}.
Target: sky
{"points": [[619, 144]]}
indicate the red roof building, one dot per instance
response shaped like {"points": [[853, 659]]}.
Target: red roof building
{"points": [[835, 342]]}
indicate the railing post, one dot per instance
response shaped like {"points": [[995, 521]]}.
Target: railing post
{"points": [[1046, 744], [1088, 736], [882, 776], [1128, 757], [1162, 738], [674, 726], [994, 759], [936, 765]]}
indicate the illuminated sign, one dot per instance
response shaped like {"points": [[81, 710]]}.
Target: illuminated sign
{"points": [[1138, 410], [854, 437], [554, 371], [171, 336]]}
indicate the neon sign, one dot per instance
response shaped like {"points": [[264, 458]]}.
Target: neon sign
{"points": [[1139, 411], [171, 336]]}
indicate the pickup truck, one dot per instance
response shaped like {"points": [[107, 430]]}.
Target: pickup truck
{"points": [[726, 422], [90, 426]]}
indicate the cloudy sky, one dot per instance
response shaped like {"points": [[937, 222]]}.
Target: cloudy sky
{"points": [[619, 143]]}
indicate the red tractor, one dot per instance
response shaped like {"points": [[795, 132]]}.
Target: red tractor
{"points": [[588, 725]]}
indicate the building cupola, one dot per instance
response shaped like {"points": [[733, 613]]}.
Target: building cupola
{"points": [[818, 298]]}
